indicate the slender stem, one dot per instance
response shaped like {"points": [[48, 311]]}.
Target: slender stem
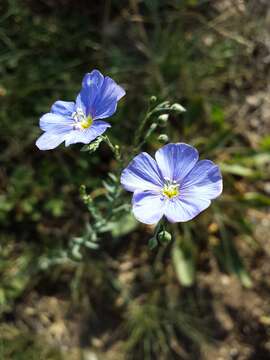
{"points": [[147, 135], [157, 110], [115, 148], [140, 129], [160, 227]]}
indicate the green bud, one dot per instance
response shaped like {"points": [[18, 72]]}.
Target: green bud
{"points": [[164, 237], [153, 126], [163, 138], [162, 119], [153, 98], [177, 107]]}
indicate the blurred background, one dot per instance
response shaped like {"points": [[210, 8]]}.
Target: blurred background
{"points": [[205, 295]]}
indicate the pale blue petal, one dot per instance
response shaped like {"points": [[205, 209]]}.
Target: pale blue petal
{"points": [[184, 208], [105, 103], [55, 123], [110, 89], [91, 86], [65, 108], [203, 181], [202, 184], [48, 141], [176, 160], [105, 110], [142, 173], [147, 206], [82, 101], [93, 78], [87, 135], [99, 95]]}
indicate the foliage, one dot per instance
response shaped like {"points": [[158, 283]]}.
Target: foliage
{"points": [[175, 51]]}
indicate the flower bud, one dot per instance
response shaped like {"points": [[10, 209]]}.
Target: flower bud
{"points": [[164, 237], [153, 126], [177, 107], [163, 138], [153, 98], [162, 119]]}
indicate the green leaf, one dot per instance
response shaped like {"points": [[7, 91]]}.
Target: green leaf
{"points": [[257, 199], [93, 146], [217, 115], [229, 258], [236, 169], [152, 243], [192, 2], [75, 252], [183, 262], [265, 143], [125, 225]]}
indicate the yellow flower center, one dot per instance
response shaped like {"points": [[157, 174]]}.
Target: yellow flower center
{"points": [[82, 121], [87, 122], [170, 190]]}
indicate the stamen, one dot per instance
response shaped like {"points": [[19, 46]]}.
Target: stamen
{"points": [[87, 122], [170, 189], [82, 121]]}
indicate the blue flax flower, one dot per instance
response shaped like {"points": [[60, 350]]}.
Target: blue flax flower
{"points": [[80, 121], [175, 185]]}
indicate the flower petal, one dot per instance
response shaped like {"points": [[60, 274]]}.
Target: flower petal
{"points": [[55, 123], [65, 108], [105, 103], [94, 77], [142, 173], [147, 206], [87, 135], [203, 181], [91, 85], [111, 89], [182, 209], [48, 141], [176, 160], [82, 101]]}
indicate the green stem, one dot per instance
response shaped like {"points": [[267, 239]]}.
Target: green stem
{"points": [[159, 109], [140, 129], [115, 148]]}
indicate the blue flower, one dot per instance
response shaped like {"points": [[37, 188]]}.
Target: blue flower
{"points": [[80, 121], [175, 185]]}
